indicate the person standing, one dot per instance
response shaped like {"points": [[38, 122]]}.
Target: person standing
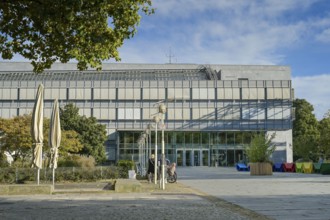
{"points": [[151, 167]]}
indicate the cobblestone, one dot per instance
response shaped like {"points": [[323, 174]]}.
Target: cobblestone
{"points": [[177, 201]]}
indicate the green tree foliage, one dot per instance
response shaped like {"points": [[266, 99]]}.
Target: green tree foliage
{"points": [[70, 143], [305, 131], [324, 128], [261, 148], [90, 31], [92, 135], [16, 138]]}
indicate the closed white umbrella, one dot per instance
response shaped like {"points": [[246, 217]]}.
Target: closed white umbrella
{"points": [[54, 137], [37, 129]]}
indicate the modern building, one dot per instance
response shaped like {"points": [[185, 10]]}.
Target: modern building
{"points": [[212, 110]]}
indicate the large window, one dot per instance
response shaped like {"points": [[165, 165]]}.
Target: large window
{"points": [[203, 113], [188, 138], [79, 93], [228, 93], [104, 93], [229, 113], [278, 113], [55, 93], [178, 93], [129, 93], [101, 113], [253, 113], [253, 93], [27, 94], [180, 138], [129, 114], [154, 93], [278, 93], [203, 93], [178, 113], [8, 94], [196, 138]]}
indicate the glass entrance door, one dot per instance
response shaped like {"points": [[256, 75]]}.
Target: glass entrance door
{"points": [[205, 158], [179, 157], [197, 157], [192, 157], [188, 158]]}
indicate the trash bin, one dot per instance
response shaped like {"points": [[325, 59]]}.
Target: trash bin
{"points": [[131, 174]]}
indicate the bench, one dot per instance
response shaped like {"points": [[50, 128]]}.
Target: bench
{"points": [[242, 167], [325, 169], [289, 167], [299, 167], [307, 167], [278, 167], [317, 167]]}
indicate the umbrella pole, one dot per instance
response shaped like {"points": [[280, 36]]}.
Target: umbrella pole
{"points": [[38, 175], [53, 177]]}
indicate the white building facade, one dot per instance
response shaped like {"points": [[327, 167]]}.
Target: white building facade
{"points": [[212, 110]]}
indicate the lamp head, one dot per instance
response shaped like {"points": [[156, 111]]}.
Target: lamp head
{"points": [[162, 108]]}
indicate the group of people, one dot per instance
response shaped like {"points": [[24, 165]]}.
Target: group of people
{"points": [[151, 167]]}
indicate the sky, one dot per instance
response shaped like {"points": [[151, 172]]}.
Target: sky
{"points": [[293, 33]]}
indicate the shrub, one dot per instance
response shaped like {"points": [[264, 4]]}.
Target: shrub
{"points": [[124, 166], [76, 161], [261, 148], [12, 175]]}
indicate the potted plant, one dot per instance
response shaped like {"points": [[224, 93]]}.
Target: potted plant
{"points": [[259, 152]]}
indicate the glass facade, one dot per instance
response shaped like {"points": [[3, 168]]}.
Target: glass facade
{"points": [[211, 111], [191, 148]]}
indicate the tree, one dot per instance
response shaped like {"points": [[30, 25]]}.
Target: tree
{"points": [[16, 138], [92, 135], [90, 31], [70, 143], [324, 127], [305, 131]]}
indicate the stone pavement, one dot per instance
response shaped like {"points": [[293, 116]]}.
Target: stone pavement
{"points": [[89, 201], [201, 193], [280, 196]]}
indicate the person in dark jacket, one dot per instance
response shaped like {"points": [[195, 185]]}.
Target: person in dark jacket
{"points": [[151, 168]]}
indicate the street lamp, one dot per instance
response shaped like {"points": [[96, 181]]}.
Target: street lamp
{"points": [[148, 132], [156, 120], [140, 156], [145, 150], [162, 110]]}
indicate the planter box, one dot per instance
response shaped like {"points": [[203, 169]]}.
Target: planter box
{"points": [[261, 169]]}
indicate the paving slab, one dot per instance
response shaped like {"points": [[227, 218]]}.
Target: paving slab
{"points": [[280, 196]]}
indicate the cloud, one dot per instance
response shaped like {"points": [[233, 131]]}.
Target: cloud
{"points": [[315, 90], [324, 36], [227, 32], [186, 8]]}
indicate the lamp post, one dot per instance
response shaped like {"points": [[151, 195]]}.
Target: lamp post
{"points": [[147, 143], [145, 149], [148, 132], [162, 110], [156, 120]]}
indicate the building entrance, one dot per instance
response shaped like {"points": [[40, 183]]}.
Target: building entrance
{"points": [[189, 157]]}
